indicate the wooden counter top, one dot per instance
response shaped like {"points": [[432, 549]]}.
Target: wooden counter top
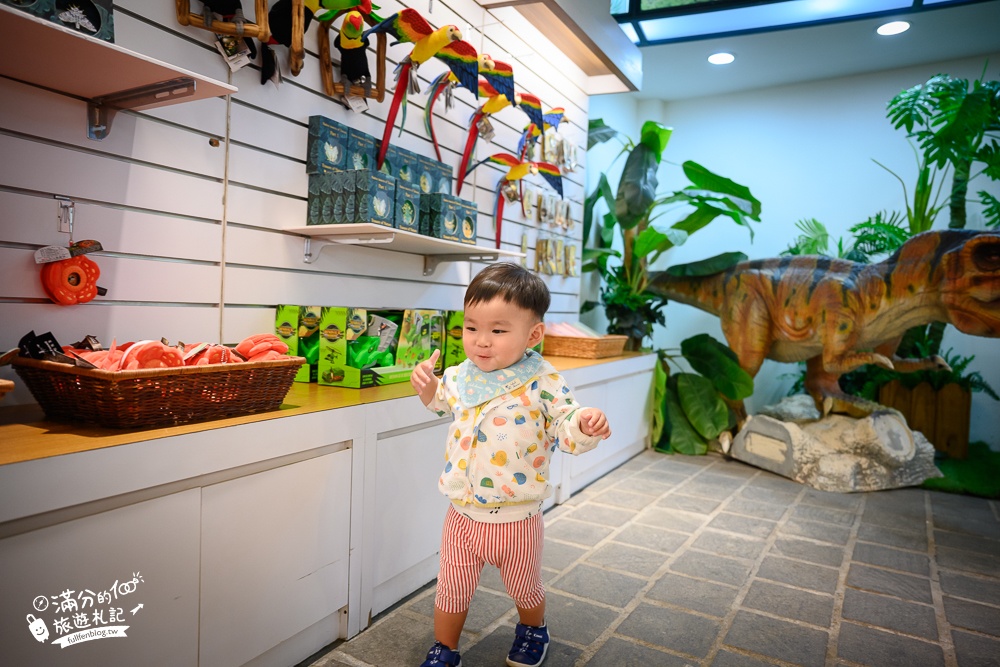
{"points": [[25, 435]]}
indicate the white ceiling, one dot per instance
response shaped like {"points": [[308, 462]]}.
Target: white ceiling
{"points": [[680, 71]]}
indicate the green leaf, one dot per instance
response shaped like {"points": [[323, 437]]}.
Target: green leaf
{"points": [[602, 191], [704, 179], [697, 219], [702, 405], [656, 429], [655, 136], [716, 361], [598, 132], [653, 240], [683, 438], [707, 267], [637, 187]]}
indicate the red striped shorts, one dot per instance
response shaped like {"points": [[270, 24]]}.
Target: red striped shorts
{"points": [[467, 545]]}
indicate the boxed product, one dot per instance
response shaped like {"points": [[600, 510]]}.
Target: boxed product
{"points": [[326, 149], [468, 217], [92, 18], [407, 166], [448, 217], [422, 332], [361, 150], [442, 177], [390, 163], [407, 213], [375, 195], [454, 352], [357, 347], [428, 174], [331, 198], [298, 327]]}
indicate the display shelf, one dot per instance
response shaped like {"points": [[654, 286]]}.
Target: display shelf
{"points": [[107, 76], [434, 250]]}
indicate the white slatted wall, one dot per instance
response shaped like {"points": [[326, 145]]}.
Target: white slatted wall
{"points": [[193, 247]]}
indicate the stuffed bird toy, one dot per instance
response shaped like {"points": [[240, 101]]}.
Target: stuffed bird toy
{"points": [[444, 43], [231, 11], [479, 123], [516, 171], [498, 74], [279, 19], [353, 48]]}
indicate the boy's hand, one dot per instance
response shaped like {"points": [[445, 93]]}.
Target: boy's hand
{"points": [[423, 379], [594, 423]]}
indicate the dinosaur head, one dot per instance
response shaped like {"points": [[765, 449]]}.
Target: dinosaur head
{"points": [[971, 287]]}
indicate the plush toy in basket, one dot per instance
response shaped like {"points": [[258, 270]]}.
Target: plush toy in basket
{"points": [[564, 339]]}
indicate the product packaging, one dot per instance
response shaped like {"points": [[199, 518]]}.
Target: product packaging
{"points": [[361, 150], [375, 195], [93, 18], [454, 353], [407, 213], [422, 333], [327, 145], [448, 217]]}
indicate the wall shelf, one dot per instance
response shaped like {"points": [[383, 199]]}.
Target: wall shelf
{"points": [[434, 250], [107, 76]]}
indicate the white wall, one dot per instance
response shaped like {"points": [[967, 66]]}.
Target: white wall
{"points": [[805, 151], [193, 241]]}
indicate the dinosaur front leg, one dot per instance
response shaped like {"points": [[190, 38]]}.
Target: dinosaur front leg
{"points": [[839, 355], [907, 365], [748, 333], [824, 388]]}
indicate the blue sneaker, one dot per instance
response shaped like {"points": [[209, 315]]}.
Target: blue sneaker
{"points": [[442, 656], [530, 646]]}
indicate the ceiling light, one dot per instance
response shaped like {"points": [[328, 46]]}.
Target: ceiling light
{"points": [[893, 28], [721, 58]]}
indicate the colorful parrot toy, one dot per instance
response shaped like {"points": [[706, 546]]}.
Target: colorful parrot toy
{"points": [[498, 74], [479, 124], [444, 43], [516, 171], [353, 48]]}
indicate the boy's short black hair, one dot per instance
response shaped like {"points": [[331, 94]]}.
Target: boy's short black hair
{"points": [[514, 284]]}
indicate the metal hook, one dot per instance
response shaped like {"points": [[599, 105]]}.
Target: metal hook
{"points": [[67, 208]]}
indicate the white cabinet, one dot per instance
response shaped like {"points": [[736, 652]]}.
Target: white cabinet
{"points": [[138, 564]]}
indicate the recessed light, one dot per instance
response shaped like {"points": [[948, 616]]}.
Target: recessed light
{"points": [[893, 28], [721, 58]]}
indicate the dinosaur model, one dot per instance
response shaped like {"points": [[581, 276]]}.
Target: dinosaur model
{"points": [[837, 315]]}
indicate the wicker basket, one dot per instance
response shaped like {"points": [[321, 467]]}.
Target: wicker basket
{"points": [[590, 348], [157, 397]]}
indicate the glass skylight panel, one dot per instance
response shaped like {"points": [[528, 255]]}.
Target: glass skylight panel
{"points": [[629, 30]]}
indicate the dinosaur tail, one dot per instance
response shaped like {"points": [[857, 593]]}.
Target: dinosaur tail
{"points": [[703, 292], [398, 98], [470, 144]]}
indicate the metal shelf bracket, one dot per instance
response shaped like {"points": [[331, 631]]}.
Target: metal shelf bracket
{"points": [[101, 110], [431, 261]]}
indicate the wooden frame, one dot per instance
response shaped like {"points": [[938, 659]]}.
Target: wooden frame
{"points": [[332, 87], [258, 30]]}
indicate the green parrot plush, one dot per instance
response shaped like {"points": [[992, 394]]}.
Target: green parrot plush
{"points": [[353, 48]]}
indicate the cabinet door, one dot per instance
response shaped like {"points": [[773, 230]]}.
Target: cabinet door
{"points": [[275, 549], [134, 567]]}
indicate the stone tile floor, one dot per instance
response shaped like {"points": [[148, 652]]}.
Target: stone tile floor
{"points": [[673, 560]]}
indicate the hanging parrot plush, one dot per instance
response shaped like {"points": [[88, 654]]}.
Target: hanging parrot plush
{"points": [[479, 123], [231, 11], [353, 48], [279, 19], [516, 171], [498, 74], [444, 43]]}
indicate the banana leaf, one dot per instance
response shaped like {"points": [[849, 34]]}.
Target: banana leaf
{"points": [[704, 179], [707, 267], [700, 401], [598, 132], [717, 362], [679, 435], [637, 187], [653, 240], [655, 136], [602, 191]]}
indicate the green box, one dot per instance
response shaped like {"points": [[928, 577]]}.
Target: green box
{"points": [[468, 217], [361, 150], [94, 18], [298, 327], [454, 352], [326, 149], [344, 336], [321, 200], [448, 217], [407, 166], [375, 195], [390, 164], [427, 174], [407, 213], [422, 332], [442, 178]]}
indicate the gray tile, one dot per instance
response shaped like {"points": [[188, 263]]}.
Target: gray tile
{"points": [[902, 539], [682, 522], [730, 659], [755, 508], [890, 613], [869, 646], [575, 621], [901, 502], [975, 650], [397, 640], [734, 468], [623, 653], [823, 515], [744, 525], [654, 484], [896, 559], [627, 558], [778, 639], [903, 586], [694, 594], [680, 464], [714, 568], [973, 588], [776, 484], [679, 501], [768, 495], [966, 542], [725, 544], [797, 573], [956, 559], [790, 603], [972, 616], [485, 609], [981, 525], [599, 585], [841, 501], [492, 650], [895, 520], [578, 532], [671, 629], [653, 538], [823, 532], [700, 486], [606, 516], [626, 499], [559, 556], [821, 554]]}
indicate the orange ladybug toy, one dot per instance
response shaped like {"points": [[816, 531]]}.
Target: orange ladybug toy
{"points": [[71, 281]]}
